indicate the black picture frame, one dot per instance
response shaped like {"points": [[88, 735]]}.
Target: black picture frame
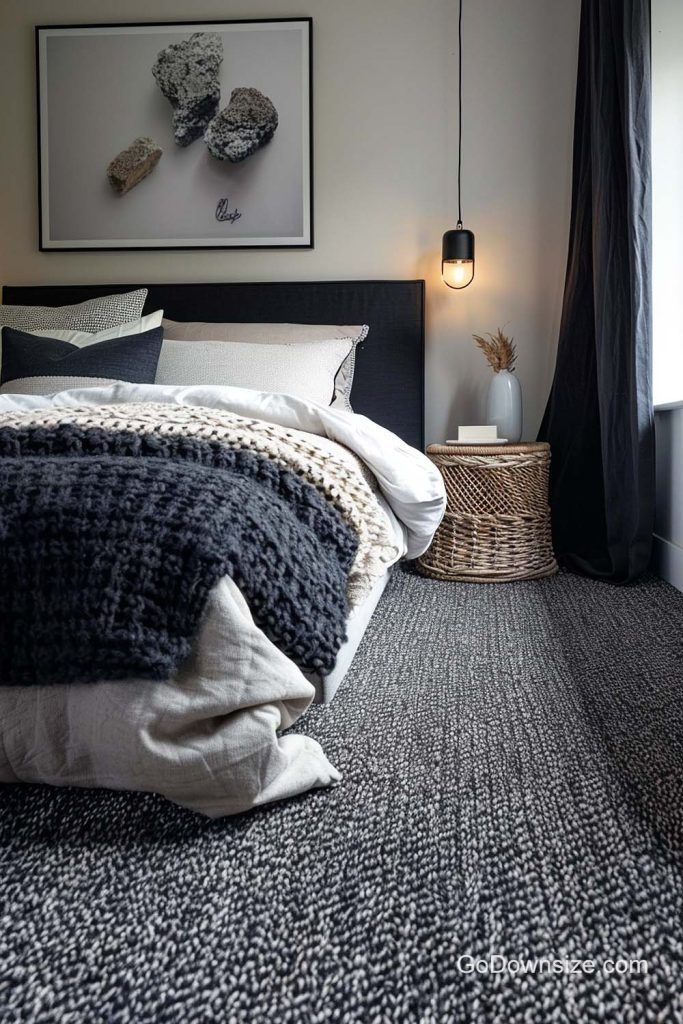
{"points": [[49, 244]]}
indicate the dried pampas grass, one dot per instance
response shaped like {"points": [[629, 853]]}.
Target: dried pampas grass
{"points": [[498, 349]]}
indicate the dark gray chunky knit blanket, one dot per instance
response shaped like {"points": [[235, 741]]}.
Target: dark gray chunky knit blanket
{"points": [[110, 542]]}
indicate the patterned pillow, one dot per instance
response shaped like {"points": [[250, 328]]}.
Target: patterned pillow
{"points": [[32, 365], [92, 315]]}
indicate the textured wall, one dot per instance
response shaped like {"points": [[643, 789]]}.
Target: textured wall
{"points": [[385, 75]]}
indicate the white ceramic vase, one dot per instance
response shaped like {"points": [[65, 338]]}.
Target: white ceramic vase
{"points": [[504, 406]]}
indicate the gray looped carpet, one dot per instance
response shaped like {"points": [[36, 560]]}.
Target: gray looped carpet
{"points": [[513, 785]]}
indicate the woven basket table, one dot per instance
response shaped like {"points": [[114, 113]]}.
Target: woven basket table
{"points": [[497, 522]]}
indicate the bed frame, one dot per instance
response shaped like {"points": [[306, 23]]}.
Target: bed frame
{"points": [[388, 383]]}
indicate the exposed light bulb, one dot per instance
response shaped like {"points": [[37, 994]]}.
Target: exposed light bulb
{"points": [[457, 273]]}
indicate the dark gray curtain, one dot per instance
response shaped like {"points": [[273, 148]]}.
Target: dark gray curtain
{"points": [[599, 417]]}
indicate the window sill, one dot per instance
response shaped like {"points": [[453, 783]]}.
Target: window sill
{"points": [[667, 406]]}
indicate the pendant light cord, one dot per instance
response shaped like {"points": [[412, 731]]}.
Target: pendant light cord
{"points": [[459, 112]]}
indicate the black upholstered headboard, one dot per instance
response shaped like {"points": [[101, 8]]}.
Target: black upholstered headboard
{"points": [[389, 379]]}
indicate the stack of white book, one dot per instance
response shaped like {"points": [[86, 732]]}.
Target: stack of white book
{"points": [[478, 435]]}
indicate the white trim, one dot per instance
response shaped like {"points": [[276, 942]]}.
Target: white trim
{"points": [[306, 142], [174, 243], [43, 155], [667, 199], [669, 406], [667, 561], [182, 28]]}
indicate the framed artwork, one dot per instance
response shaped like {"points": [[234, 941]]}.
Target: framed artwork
{"points": [[176, 135]]}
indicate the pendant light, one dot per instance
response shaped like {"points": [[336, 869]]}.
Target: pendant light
{"points": [[457, 248]]}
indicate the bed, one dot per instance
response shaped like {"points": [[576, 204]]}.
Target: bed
{"points": [[172, 735]]}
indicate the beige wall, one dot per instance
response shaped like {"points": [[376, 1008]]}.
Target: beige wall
{"points": [[385, 74]]}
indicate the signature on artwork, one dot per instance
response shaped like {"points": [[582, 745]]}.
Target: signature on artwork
{"points": [[224, 213]]}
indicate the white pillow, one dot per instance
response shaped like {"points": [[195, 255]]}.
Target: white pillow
{"points": [[83, 338], [277, 334], [305, 369]]}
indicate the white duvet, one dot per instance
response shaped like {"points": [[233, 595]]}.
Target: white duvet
{"points": [[209, 738]]}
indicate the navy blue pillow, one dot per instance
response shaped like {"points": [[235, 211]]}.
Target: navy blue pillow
{"points": [[133, 358]]}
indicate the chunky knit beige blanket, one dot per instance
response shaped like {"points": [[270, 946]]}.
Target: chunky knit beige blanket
{"points": [[335, 471]]}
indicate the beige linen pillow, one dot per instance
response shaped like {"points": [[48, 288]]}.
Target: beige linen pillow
{"points": [[277, 334], [306, 369]]}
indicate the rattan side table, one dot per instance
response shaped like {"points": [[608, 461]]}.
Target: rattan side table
{"points": [[497, 522]]}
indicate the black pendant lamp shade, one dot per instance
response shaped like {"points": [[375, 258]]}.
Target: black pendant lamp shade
{"points": [[457, 248], [457, 257]]}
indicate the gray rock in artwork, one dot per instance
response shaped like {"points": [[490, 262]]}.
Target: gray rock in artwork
{"points": [[131, 165], [247, 123], [187, 74]]}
